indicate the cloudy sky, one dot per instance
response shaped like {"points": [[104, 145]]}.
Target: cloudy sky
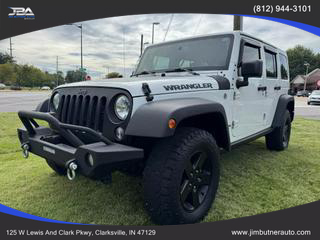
{"points": [[113, 44]]}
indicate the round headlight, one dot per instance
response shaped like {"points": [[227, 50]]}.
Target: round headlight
{"points": [[122, 107], [55, 101]]}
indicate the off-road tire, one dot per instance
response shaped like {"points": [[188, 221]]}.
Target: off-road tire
{"points": [[134, 170], [279, 138], [166, 171], [59, 170]]}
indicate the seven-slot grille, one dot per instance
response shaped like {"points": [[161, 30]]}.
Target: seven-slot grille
{"points": [[88, 111]]}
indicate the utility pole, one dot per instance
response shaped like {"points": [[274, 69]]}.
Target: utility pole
{"points": [[141, 45], [108, 71], [124, 52], [10, 48], [80, 27], [154, 23], [305, 79], [238, 23], [57, 69], [81, 51]]}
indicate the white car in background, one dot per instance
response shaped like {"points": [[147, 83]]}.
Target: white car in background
{"points": [[45, 88], [314, 97], [2, 86]]}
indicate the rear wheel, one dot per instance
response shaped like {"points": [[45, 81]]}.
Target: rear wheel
{"points": [[279, 138], [181, 177], [60, 170]]}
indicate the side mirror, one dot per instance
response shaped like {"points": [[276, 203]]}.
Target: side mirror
{"points": [[249, 69]]}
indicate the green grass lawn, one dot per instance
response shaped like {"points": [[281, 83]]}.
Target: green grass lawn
{"points": [[253, 181]]}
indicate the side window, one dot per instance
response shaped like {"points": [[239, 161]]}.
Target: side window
{"points": [[284, 69], [250, 53], [271, 64]]}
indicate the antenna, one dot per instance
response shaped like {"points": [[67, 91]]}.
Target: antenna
{"points": [[57, 69], [124, 52], [169, 25], [197, 26]]}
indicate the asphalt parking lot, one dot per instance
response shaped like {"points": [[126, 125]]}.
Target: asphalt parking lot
{"points": [[305, 110], [13, 101]]}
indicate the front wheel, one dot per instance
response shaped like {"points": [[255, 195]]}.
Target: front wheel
{"points": [[181, 177], [279, 138]]}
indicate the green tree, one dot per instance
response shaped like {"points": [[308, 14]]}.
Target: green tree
{"points": [[297, 56], [7, 74], [6, 58], [114, 75], [75, 76]]}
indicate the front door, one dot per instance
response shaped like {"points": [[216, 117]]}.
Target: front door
{"points": [[249, 101]]}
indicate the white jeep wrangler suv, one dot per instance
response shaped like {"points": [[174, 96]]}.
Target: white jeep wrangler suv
{"points": [[186, 100]]}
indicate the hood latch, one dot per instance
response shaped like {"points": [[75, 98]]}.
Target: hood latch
{"points": [[147, 92]]}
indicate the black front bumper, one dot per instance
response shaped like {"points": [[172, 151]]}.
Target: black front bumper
{"points": [[65, 143]]}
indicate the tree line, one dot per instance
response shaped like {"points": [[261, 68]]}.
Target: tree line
{"points": [[298, 56], [24, 75]]}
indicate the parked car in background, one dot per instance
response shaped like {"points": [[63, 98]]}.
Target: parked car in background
{"points": [[45, 88], [314, 97], [15, 88], [303, 93], [2, 86]]}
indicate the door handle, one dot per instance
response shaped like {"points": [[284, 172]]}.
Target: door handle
{"points": [[262, 88], [277, 88]]}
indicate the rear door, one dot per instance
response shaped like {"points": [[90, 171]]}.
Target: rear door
{"points": [[272, 83], [249, 101]]}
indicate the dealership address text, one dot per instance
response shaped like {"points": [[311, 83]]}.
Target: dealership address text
{"points": [[80, 232]]}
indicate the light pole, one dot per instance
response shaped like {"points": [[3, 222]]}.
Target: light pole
{"points": [[154, 23], [80, 27], [305, 80]]}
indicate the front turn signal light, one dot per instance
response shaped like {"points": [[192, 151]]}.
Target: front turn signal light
{"points": [[172, 123]]}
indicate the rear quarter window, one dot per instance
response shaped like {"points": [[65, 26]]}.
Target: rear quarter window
{"points": [[284, 69]]}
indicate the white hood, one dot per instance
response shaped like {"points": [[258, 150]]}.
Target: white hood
{"points": [[157, 84]]}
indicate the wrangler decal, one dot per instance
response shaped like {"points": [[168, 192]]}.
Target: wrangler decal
{"points": [[187, 86]]}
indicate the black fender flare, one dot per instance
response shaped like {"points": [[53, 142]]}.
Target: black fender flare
{"points": [[285, 102], [43, 106], [151, 119]]}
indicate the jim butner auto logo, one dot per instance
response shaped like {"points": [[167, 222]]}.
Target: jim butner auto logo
{"points": [[21, 12]]}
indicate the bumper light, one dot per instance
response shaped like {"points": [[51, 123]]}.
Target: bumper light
{"points": [[90, 160], [119, 133]]}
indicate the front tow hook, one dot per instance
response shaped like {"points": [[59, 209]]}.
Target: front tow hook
{"points": [[71, 170], [25, 150]]}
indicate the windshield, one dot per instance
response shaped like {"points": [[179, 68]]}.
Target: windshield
{"points": [[316, 93], [205, 53]]}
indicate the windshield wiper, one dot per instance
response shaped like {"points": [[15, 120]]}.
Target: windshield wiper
{"points": [[145, 72], [183, 70]]}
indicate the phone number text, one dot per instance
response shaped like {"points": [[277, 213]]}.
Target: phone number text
{"points": [[281, 8]]}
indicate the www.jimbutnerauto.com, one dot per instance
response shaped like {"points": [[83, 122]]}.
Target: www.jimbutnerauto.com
{"points": [[264, 232]]}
